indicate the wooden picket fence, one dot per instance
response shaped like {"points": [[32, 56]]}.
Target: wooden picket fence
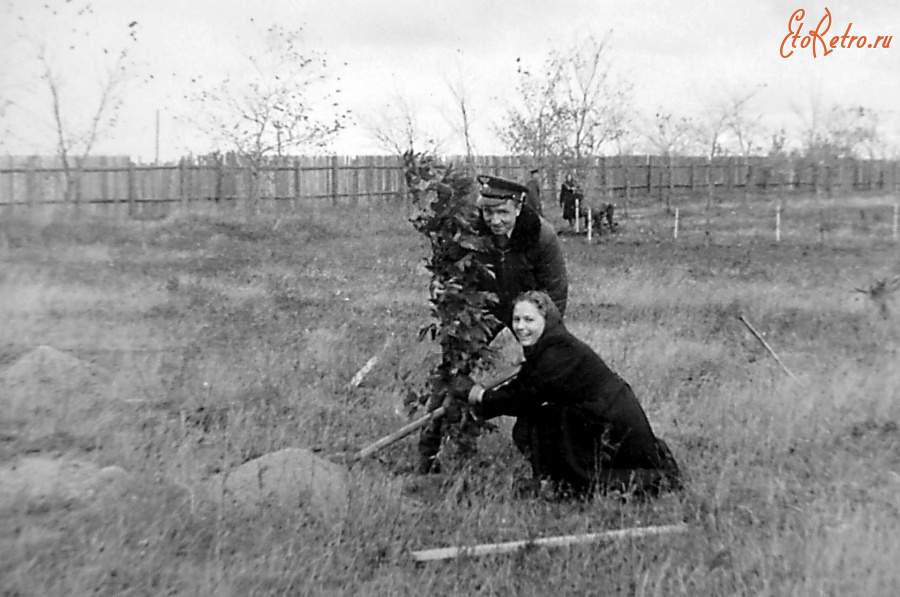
{"points": [[117, 181]]}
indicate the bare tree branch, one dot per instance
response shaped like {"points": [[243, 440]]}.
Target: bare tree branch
{"points": [[395, 126], [462, 122], [286, 103], [572, 110]]}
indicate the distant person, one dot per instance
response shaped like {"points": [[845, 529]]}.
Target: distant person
{"points": [[569, 194], [577, 422], [533, 194], [525, 254]]}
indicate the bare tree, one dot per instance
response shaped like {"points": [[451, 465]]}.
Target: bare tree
{"points": [[812, 121], [708, 130], [395, 126], [669, 134], [595, 100], [283, 102], [727, 125], [853, 131], [572, 110], [534, 124], [744, 126], [75, 117], [74, 143], [832, 132], [461, 119]]}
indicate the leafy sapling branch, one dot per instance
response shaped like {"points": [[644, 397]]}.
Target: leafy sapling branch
{"points": [[461, 318]]}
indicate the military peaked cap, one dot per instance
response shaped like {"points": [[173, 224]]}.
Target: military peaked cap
{"points": [[495, 190]]}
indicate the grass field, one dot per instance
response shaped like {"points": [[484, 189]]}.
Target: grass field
{"points": [[216, 338]]}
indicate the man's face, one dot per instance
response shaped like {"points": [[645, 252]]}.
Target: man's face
{"points": [[501, 218]]}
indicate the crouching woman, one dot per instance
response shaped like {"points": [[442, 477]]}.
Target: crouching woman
{"points": [[577, 422]]}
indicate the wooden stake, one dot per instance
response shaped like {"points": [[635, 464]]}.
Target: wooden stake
{"points": [[769, 348], [577, 215], [675, 232], [446, 553], [365, 370], [590, 225]]}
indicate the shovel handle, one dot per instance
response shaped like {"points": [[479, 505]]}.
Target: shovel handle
{"points": [[420, 422], [400, 433]]}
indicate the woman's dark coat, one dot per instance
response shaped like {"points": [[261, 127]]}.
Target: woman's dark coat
{"points": [[567, 195], [578, 422], [532, 260]]}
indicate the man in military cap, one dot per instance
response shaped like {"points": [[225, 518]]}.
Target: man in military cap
{"points": [[533, 194], [525, 255]]}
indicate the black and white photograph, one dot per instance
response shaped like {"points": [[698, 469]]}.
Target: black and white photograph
{"points": [[382, 297]]}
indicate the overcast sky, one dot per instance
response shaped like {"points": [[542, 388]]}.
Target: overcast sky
{"points": [[680, 55]]}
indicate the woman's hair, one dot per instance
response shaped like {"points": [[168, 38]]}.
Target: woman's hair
{"points": [[544, 304]]}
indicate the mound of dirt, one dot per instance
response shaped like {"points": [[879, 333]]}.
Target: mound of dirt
{"points": [[47, 390], [298, 478], [40, 478], [292, 477]]}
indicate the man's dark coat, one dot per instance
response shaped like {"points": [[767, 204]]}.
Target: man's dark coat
{"points": [[531, 260], [533, 196]]}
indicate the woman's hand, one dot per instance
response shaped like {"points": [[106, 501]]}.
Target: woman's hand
{"points": [[460, 385], [463, 388]]}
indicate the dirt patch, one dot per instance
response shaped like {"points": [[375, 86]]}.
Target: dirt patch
{"points": [[299, 478], [41, 478], [47, 391], [292, 477]]}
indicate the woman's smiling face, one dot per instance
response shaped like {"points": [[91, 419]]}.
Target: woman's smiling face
{"points": [[527, 323]]}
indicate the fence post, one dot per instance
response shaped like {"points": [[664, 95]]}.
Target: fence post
{"points": [[118, 202], [296, 200], [693, 179], [104, 187], [182, 184], [79, 188], [356, 168], [601, 171], [11, 197], [649, 176], [131, 189], [30, 183], [671, 176], [675, 230], [334, 180]]}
